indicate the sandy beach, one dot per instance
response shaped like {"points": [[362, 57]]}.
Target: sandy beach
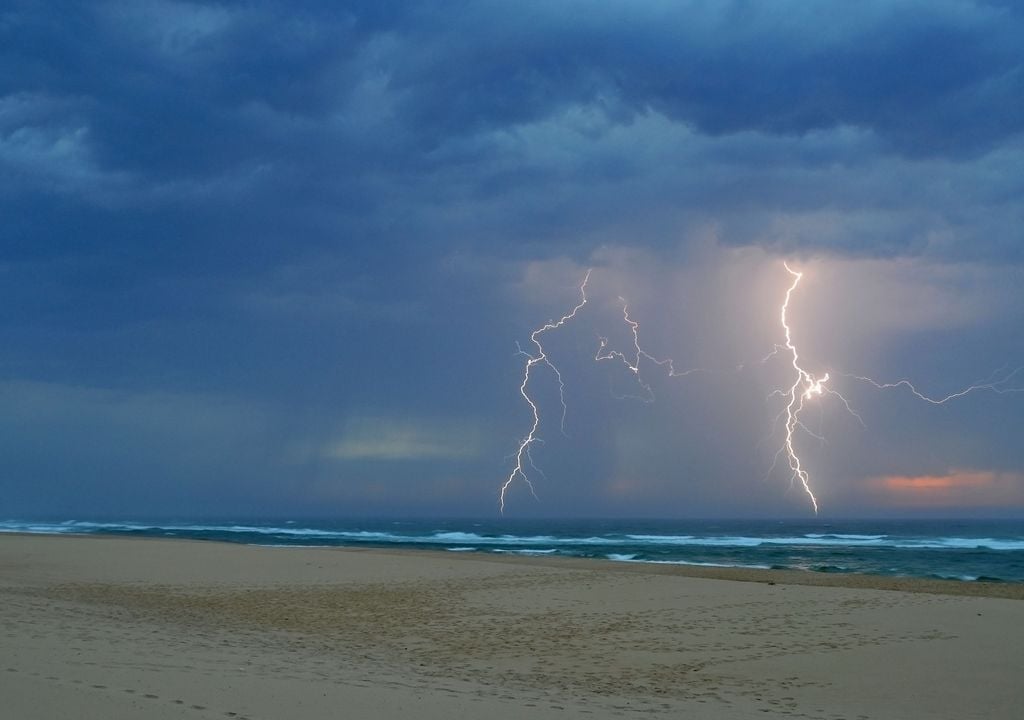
{"points": [[137, 628]]}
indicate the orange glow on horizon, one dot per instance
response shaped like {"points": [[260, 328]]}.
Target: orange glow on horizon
{"points": [[966, 488], [901, 483]]}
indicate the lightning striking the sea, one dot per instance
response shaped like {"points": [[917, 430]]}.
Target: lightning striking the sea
{"points": [[805, 388], [540, 358], [523, 455]]}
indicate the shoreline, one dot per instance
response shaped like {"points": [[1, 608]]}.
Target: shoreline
{"points": [[911, 584]]}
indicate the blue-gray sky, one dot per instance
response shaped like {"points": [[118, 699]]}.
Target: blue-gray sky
{"points": [[274, 258]]}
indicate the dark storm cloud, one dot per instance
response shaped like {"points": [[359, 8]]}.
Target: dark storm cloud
{"points": [[324, 209], [341, 120], [922, 76]]}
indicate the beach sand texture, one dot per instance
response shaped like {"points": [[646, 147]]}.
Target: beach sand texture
{"points": [[133, 628]]}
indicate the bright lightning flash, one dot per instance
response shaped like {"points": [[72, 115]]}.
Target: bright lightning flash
{"points": [[540, 358], [805, 387]]}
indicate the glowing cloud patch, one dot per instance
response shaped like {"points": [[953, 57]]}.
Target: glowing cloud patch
{"points": [[398, 439]]}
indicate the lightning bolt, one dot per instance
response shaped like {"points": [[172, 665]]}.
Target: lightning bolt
{"points": [[523, 455], [805, 386], [603, 353]]}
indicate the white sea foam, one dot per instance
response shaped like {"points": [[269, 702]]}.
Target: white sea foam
{"points": [[819, 540], [946, 576], [707, 564], [454, 537], [508, 540]]}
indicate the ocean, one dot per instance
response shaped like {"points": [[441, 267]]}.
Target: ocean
{"points": [[967, 550]]}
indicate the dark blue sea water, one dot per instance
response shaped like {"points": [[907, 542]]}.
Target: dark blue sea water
{"points": [[968, 550]]}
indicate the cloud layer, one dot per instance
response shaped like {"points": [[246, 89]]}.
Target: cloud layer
{"points": [[341, 211]]}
